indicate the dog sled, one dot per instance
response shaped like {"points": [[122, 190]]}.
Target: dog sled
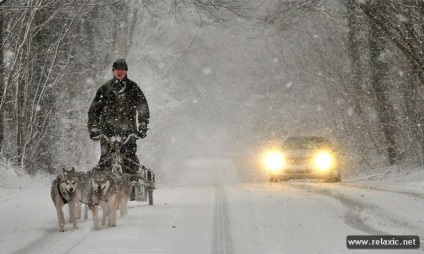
{"points": [[109, 186], [142, 181]]}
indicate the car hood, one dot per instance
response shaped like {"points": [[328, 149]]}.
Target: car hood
{"points": [[299, 153]]}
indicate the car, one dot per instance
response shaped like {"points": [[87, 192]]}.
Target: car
{"points": [[303, 157]]}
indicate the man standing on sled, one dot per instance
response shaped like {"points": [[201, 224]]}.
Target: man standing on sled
{"points": [[119, 109]]}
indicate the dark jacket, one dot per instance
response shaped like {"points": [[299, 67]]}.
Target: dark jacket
{"points": [[115, 107]]}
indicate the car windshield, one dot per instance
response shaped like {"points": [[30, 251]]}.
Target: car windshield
{"points": [[306, 143]]}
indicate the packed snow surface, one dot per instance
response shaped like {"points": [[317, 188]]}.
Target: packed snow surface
{"points": [[211, 208]]}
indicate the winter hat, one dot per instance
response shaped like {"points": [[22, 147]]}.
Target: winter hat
{"points": [[120, 64]]}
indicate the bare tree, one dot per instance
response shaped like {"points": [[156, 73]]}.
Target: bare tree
{"points": [[379, 69], [1, 76], [400, 23]]}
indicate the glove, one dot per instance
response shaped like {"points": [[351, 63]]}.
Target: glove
{"points": [[94, 134], [142, 129], [142, 134]]}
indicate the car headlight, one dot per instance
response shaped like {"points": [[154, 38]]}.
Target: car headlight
{"points": [[273, 161], [324, 161]]}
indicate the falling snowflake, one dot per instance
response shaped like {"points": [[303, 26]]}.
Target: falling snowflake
{"points": [[350, 112], [290, 84], [207, 71]]}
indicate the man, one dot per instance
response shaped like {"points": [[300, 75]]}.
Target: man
{"points": [[115, 110]]}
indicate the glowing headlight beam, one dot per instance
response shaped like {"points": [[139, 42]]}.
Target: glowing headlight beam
{"points": [[274, 161], [324, 161]]}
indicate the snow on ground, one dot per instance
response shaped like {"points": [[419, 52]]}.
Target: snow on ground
{"points": [[209, 209], [393, 178]]}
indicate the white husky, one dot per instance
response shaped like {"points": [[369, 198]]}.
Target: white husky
{"points": [[64, 190]]}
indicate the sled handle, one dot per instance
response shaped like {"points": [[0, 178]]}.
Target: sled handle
{"points": [[131, 136], [103, 136]]}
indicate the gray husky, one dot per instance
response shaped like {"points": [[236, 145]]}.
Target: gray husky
{"points": [[109, 191], [64, 190], [83, 193]]}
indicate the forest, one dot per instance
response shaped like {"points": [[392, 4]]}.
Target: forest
{"points": [[222, 77]]}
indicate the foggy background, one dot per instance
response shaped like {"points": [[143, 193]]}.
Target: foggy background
{"points": [[223, 79]]}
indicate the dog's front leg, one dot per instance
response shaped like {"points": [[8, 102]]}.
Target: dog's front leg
{"points": [[85, 212], [72, 208], [105, 211], [123, 206], [78, 209], [95, 211], [60, 217], [112, 207], [122, 203]]}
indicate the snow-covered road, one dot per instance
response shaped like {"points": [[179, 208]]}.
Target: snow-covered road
{"points": [[216, 216]]}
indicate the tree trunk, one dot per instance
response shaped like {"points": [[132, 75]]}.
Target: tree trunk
{"points": [[1, 82], [412, 104], [132, 28], [354, 54], [378, 66]]}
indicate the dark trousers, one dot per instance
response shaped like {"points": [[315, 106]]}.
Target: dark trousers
{"points": [[130, 162]]}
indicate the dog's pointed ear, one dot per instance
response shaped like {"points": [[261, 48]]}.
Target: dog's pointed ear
{"points": [[89, 173], [96, 169]]}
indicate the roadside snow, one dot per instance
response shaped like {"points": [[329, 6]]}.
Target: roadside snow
{"points": [[393, 178]]}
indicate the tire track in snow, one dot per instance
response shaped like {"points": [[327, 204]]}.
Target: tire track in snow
{"points": [[404, 192], [222, 243], [355, 209], [55, 242]]}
